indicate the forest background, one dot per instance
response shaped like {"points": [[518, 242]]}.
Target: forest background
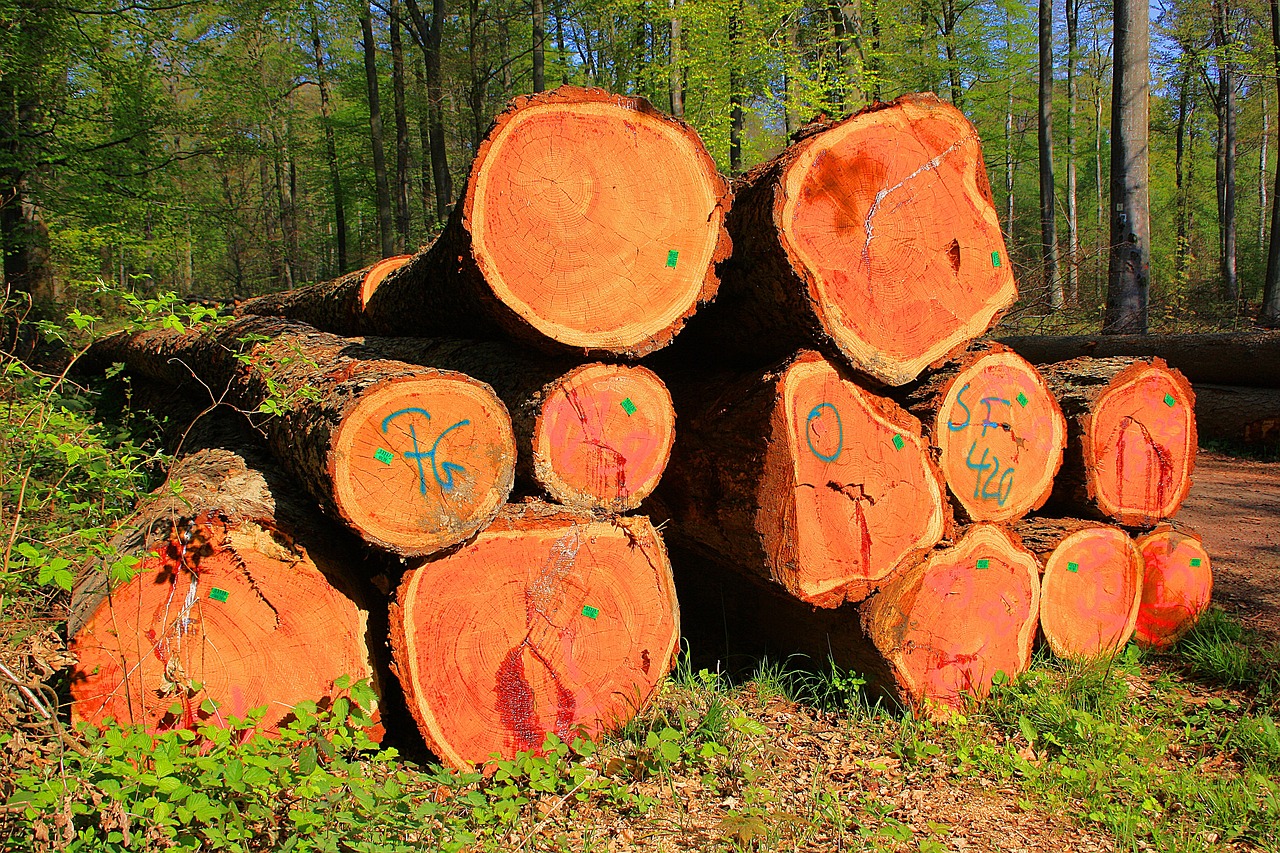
{"points": [[229, 148]]}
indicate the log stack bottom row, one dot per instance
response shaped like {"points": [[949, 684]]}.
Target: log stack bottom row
{"points": [[898, 497]]}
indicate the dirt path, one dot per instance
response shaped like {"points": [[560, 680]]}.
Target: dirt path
{"points": [[1235, 505]]}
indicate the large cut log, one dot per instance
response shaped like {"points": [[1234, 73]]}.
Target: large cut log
{"points": [[1176, 588], [590, 223], [243, 596], [1091, 588], [874, 239], [804, 478], [333, 306], [1249, 358], [591, 436], [936, 635], [411, 458], [1131, 440], [548, 623], [1000, 431], [1237, 413]]}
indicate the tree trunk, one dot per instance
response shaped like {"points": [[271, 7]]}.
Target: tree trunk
{"points": [[424, 145], [1000, 432], [1008, 150], [893, 200], [1234, 413], [1129, 266], [1131, 441], [429, 37], [402, 132], [675, 78], [1048, 205], [736, 115], [330, 147], [1091, 587], [413, 459], [1227, 358], [1226, 102], [1262, 173], [539, 54], [1073, 216], [802, 478], [243, 596], [1181, 172], [1269, 314], [386, 227], [555, 623], [1176, 588], [331, 306]]}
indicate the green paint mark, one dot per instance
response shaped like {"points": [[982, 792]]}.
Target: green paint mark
{"points": [[1195, 562], [1073, 567], [984, 563], [590, 612], [1022, 399], [899, 442], [1169, 401], [628, 407], [219, 594], [384, 456], [672, 257], [995, 259]]}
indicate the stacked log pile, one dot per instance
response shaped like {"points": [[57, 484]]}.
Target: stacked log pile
{"points": [[855, 476]]}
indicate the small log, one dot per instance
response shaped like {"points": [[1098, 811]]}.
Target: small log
{"points": [[1091, 588], [243, 596], [549, 622], [953, 621], [591, 223], [1131, 441], [1176, 588], [413, 459], [1250, 358], [874, 239], [1000, 431], [335, 305], [804, 478]]}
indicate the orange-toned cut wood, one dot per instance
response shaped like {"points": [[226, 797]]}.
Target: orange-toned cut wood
{"points": [[805, 478], [1000, 431], [377, 273], [949, 624], [1090, 593], [226, 605], [1176, 587], [548, 623], [875, 237], [603, 436]]}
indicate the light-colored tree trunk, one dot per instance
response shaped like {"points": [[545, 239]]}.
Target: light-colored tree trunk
{"points": [[1073, 217], [1048, 205], [674, 76], [386, 225]]}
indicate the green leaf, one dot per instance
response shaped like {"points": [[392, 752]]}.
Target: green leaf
{"points": [[307, 761]]}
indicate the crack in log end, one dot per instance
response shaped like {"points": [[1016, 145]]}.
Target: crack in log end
{"points": [[644, 661], [928, 166], [953, 252], [852, 491]]}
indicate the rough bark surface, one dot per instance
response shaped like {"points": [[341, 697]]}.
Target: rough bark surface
{"points": [[1131, 438], [548, 623], [802, 477], [413, 459], [999, 429], [1176, 588], [244, 596], [591, 223], [1235, 413], [332, 306], [1091, 588], [1250, 359], [874, 239]]}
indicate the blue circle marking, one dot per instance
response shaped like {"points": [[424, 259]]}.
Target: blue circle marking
{"points": [[814, 414]]}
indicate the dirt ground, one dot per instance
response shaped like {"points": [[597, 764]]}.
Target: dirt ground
{"points": [[1235, 506]]}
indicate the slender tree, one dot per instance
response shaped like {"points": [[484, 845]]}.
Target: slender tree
{"points": [[402, 131], [429, 36], [1269, 315], [1073, 216], [386, 226], [1048, 205], [330, 145], [539, 54], [1225, 102], [1129, 267]]}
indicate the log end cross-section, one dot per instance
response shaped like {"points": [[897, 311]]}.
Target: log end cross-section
{"points": [[1139, 444], [596, 219], [603, 436], [950, 623], [849, 490], [548, 623], [423, 462], [888, 218], [1002, 436], [1090, 593], [378, 273], [1176, 588]]}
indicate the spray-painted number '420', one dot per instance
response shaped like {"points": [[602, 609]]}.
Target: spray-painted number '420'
{"points": [[442, 471]]}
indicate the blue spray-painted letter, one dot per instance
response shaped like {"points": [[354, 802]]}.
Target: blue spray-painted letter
{"points": [[447, 468]]}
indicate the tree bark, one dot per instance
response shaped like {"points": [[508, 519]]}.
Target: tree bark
{"points": [[1072, 294], [386, 226], [736, 115], [402, 132], [1177, 585], [1091, 586], [557, 624], [675, 77], [1237, 414], [412, 459], [892, 200], [802, 478], [330, 147], [1129, 265], [243, 596], [1048, 205], [1269, 313], [1182, 184], [539, 54], [429, 37], [1226, 102]]}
